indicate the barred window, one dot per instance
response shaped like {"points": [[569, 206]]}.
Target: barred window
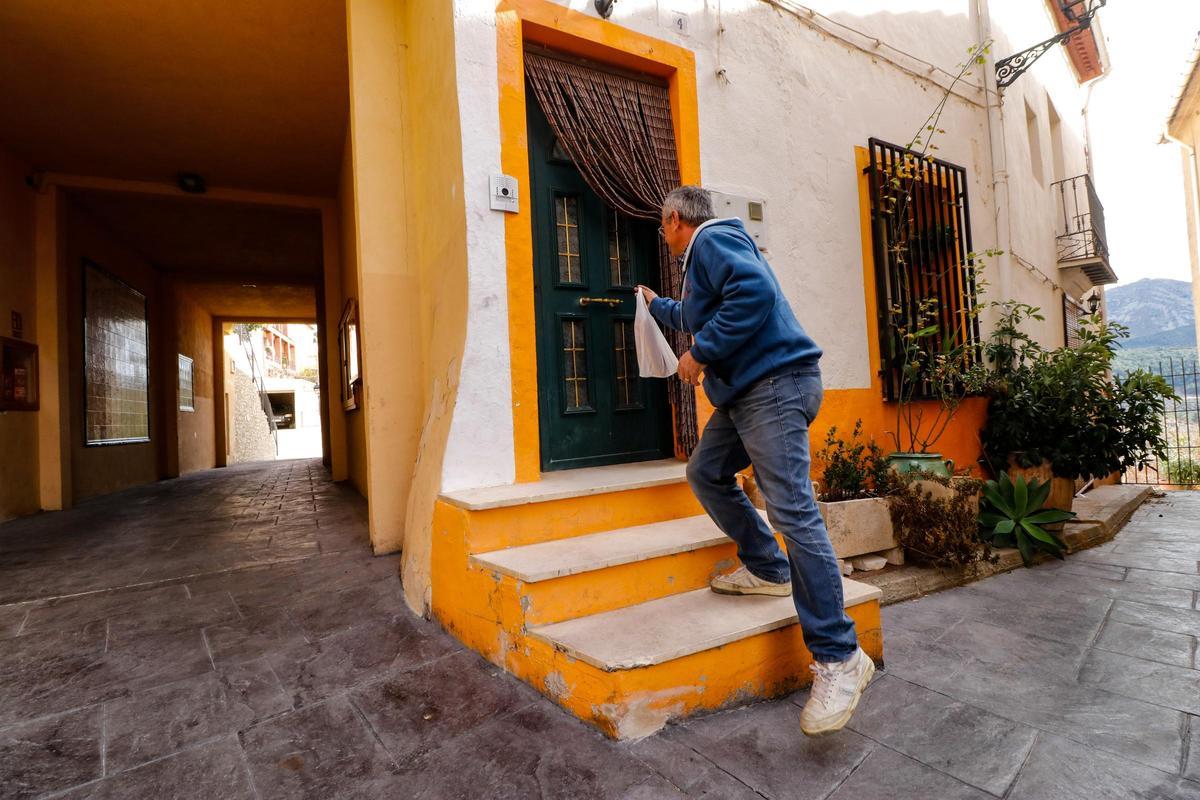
{"points": [[924, 275], [1073, 314]]}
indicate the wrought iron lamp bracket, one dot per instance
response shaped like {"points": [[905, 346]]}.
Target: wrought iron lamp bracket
{"points": [[1010, 68]]}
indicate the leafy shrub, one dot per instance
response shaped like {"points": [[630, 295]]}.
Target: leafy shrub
{"points": [[1064, 406], [938, 531], [1186, 472], [1012, 516], [854, 469]]}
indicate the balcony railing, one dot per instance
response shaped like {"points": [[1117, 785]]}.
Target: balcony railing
{"points": [[1082, 239]]}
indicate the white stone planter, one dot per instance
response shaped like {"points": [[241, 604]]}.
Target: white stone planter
{"points": [[859, 527]]}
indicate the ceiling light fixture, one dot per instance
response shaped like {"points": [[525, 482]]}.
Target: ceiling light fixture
{"points": [[192, 183]]}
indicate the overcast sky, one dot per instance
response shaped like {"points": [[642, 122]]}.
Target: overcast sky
{"points": [[1140, 181]]}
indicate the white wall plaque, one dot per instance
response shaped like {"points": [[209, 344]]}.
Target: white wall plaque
{"points": [[752, 213], [504, 193]]}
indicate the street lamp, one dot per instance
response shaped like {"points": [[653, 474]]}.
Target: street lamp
{"points": [[1078, 11]]}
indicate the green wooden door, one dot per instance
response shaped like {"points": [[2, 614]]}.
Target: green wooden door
{"points": [[594, 409]]}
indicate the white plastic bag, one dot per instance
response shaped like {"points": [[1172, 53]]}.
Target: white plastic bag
{"points": [[656, 359]]}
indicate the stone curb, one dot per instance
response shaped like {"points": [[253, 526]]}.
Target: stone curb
{"points": [[1106, 512]]}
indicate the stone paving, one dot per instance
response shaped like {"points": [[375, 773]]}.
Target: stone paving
{"points": [[229, 635]]}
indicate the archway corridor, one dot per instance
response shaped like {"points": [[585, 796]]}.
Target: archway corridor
{"points": [[146, 211], [166, 171]]}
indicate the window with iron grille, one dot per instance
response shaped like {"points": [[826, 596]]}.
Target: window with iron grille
{"points": [[187, 384], [921, 230], [1073, 313]]}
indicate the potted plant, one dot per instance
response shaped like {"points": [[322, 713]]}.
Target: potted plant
{"points": [[936, 520], [1013, 515], [855, 479], [1061, 413], [937, 365]]}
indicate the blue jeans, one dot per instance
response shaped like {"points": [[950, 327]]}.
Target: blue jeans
{"points": [[768, 426]]}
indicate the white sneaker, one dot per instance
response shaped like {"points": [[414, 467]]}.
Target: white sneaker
{"points": [[835, 693], [743, 581]]}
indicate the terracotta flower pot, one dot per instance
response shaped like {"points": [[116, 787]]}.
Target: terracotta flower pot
{"points": [[1062, 490]]}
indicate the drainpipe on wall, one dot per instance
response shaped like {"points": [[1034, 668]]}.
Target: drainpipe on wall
{"points": [[1193, 172], [999, 156]]}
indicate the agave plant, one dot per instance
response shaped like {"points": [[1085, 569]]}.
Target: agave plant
{"points": [[1012, 516]]}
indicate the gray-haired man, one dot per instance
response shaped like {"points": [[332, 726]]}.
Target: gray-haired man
{"points": [[761, 373]]}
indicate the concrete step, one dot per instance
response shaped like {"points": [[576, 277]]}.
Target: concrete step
{"points": [[632, 670], [572, 483], [1110, 506], [567, 504], [548, 560], [673, 627], [592, 587], [584, 575]]}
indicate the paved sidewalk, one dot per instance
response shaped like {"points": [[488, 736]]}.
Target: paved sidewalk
{"points": [[229, 635]]}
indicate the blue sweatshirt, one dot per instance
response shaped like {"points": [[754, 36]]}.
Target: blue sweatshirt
{"points": [[743, 327]]}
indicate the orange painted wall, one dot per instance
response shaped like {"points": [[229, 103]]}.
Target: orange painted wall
{"points": [[98, 470], [843, 407], [19, 493]]}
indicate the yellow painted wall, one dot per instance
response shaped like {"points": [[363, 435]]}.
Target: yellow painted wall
{"points": [[53, 419], [98, 470], [389, 283], [1184, 128], [410, 241], [194, 429], [355, 429], [19, 492], [438, 243]]}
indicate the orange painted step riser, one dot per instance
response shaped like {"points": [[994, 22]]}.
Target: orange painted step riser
{"points": [[633, 703], [614, 587], [486, 614], [514, 526]]}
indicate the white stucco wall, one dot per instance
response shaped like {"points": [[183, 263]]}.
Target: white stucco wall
{"points": [[780, 122], [480, 448], [784, 128]]}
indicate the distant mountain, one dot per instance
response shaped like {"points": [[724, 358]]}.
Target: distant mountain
{"points": [[1163, 360], [1157, 311], [1183, 336]]}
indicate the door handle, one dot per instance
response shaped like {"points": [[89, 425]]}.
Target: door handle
{"points": [[607, 301]]}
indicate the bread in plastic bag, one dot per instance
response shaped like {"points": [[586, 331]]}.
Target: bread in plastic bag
{"points": [[655, 357]]}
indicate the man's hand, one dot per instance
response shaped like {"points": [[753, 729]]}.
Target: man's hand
{"points": [[690, 369], [648, 293]]}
